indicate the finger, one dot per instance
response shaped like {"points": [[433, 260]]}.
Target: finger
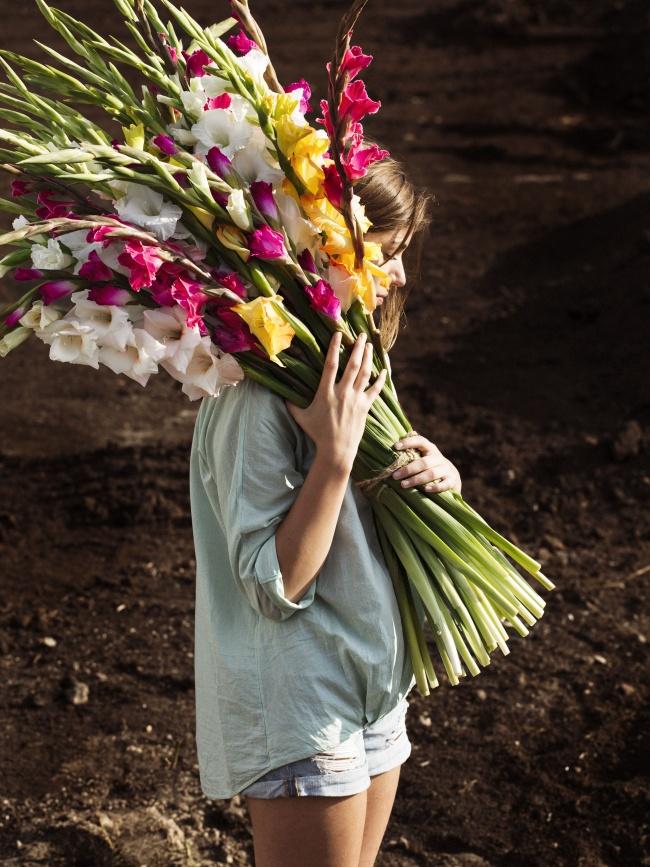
{"points": [[373, 391], [419, 464], [363, 377], [424, 477], [437, 487], [354, 362], [331, 364], [415, 441]]}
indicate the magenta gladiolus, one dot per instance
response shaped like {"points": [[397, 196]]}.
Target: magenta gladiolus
{"points": [[56, 289], [218, 162], [266, 243], [306, 261], [240, 43], [355, 102], [143, 261], [303, 85], [224, 100], [14, 316], [333, 186], [20, 188], [357, 160], [323, 299], [192, 299], [95, 270], [166, 144], [196, 63], [23, 274], [262, 194], [232, 334], [355, 60], [52, 208], [231, 281], [109, 295]]}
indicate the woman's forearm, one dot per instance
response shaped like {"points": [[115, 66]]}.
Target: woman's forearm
{"points": [[304, 536]]}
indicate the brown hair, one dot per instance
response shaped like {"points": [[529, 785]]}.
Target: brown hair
{"points": [[392, 203]]}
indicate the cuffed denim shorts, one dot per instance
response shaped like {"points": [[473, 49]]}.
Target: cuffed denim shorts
{"points": [[345, 770]]}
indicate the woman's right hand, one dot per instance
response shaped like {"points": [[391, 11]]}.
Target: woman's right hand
{"points": [[336, 417]]}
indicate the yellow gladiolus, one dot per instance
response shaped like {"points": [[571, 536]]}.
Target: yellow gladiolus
{"points": [[134, 135], [235, 240], [267, 324], [204, 217]]}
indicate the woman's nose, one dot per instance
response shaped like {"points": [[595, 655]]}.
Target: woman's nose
{"points": [[396, 271]]}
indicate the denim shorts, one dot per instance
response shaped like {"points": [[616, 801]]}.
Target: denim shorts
{"points": [[345, 770]]}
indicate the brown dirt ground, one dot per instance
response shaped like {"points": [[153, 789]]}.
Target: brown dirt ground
{"points": [[524, 358]]}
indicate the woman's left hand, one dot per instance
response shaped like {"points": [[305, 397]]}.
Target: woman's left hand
{"points": [[433, 465]]}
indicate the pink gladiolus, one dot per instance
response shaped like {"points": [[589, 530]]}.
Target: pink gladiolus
{"points": [[323, 299], [231, 281], [101, 233], [240, 43], [12, 318], [143, 261], [23, 274], [196, 63], [355, 60], [224, 100], [109, 295], [20, 188], [306, 262], [355, 102], [333, 186], [305, 105], [326, 120], [52, 208], [95, 270], [161, 287], [218, 162], [262, 194], [56, 289], [266, 243], [357, 160], [165, 143], [190, 295]]}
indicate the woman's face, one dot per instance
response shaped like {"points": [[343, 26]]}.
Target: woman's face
{"points": [[390, 242]]}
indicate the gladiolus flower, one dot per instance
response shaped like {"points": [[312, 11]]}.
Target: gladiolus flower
{"points": [[143, 262], [304, 86], [134, 135], [231, 281], [20, 188], [218, 162], [224, 100], [357, 160], [15, 316], [234, 240], [306, 262], [333, 186], [56, 289], [240, 43], [355, 102], [323, 299], [196, 63], [165, 143], [94, 269], [355, 60], [52, 208], [23, 274], [112, 295], [266, 243], [267, 324], [262, 194], [192, 299]]}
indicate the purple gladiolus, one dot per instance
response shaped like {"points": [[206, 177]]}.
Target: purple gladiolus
{"points": [[262, 194], [266, 243], [23, 274], [240, 43], [165, 143], [95, 270], [323, 299], [56, 289], [218, 162], [20, 188], [109, 295], [333, 186], [14, 316], [306, 262]]}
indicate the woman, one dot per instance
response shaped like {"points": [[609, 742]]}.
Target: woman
{"points": [[301, 670]]}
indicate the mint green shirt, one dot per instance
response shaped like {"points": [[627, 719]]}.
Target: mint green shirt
{"points": [[277, 681]]}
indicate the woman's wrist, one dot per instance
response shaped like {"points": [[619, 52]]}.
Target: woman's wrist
{"points": [[334, 463]]}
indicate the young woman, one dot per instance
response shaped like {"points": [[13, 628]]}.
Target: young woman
{"points": [[300, 667]]}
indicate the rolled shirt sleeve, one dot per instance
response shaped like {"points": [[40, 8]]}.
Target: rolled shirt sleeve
{"points": [[251, 450]]}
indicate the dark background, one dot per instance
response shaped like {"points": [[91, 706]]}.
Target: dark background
{"points": [[525, 359]]}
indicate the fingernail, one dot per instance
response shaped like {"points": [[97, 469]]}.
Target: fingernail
{"points": [[398, 445]]}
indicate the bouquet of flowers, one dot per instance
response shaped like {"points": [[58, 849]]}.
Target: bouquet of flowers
{"points": [[219, 236]]}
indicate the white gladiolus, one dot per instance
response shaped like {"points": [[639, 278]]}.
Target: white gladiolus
{"points": [[147, 208], [138, 360], [72, 341], [50, 257], [13, 339], [256, 163], [302, 232], [168, 325], [81, 249], [255, 63], [110, 324], [222, 128], [20, 223], [207, 372], [239, 211], [39, 316]]}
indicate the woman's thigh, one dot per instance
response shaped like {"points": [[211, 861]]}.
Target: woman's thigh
{"points": [[319, 831]]}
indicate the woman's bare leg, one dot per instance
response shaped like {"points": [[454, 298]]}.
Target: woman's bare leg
{"points": [[381, 797], [313, 830]]}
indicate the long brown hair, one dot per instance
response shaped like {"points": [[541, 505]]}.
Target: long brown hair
{"points": [[392, 203]]}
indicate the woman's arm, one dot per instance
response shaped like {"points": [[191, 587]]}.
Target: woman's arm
{"points": [[335, 420]]}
